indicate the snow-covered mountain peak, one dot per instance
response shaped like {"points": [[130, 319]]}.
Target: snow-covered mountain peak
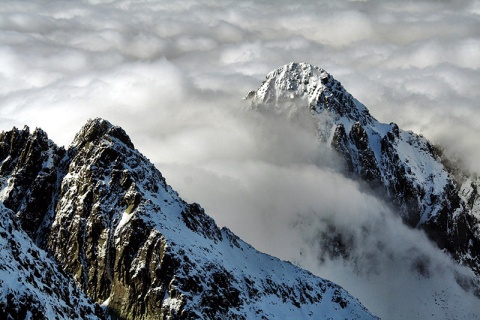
{"points": [[108, 217], [401, 166], [298, 85]]}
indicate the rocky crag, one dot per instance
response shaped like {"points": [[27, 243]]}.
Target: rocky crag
{"points": [[105, 218]]}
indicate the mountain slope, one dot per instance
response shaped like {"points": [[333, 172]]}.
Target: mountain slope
{"points": [[131, 243], [399, 165], [32, 285]]}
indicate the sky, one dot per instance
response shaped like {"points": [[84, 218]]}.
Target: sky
{"points": [[174, 74]]}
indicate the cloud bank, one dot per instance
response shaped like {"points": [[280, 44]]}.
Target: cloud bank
{"points": [[173, 75]]}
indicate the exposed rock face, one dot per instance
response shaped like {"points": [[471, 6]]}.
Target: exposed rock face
{"points": [[31, 165], [32, 285], [399, 165], [132, 244]]}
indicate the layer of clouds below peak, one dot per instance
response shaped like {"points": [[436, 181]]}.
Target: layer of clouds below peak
{"points": [[173, 75]]}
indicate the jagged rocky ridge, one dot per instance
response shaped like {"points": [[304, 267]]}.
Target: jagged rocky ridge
{"points": [[106, 214], [405, 168]]}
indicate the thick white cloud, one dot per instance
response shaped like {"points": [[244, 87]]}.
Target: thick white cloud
{"points": [[173, 74]]}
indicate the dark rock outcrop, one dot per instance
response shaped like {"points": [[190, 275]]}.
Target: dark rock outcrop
{"points": [[30, 171], [32, 285]]}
